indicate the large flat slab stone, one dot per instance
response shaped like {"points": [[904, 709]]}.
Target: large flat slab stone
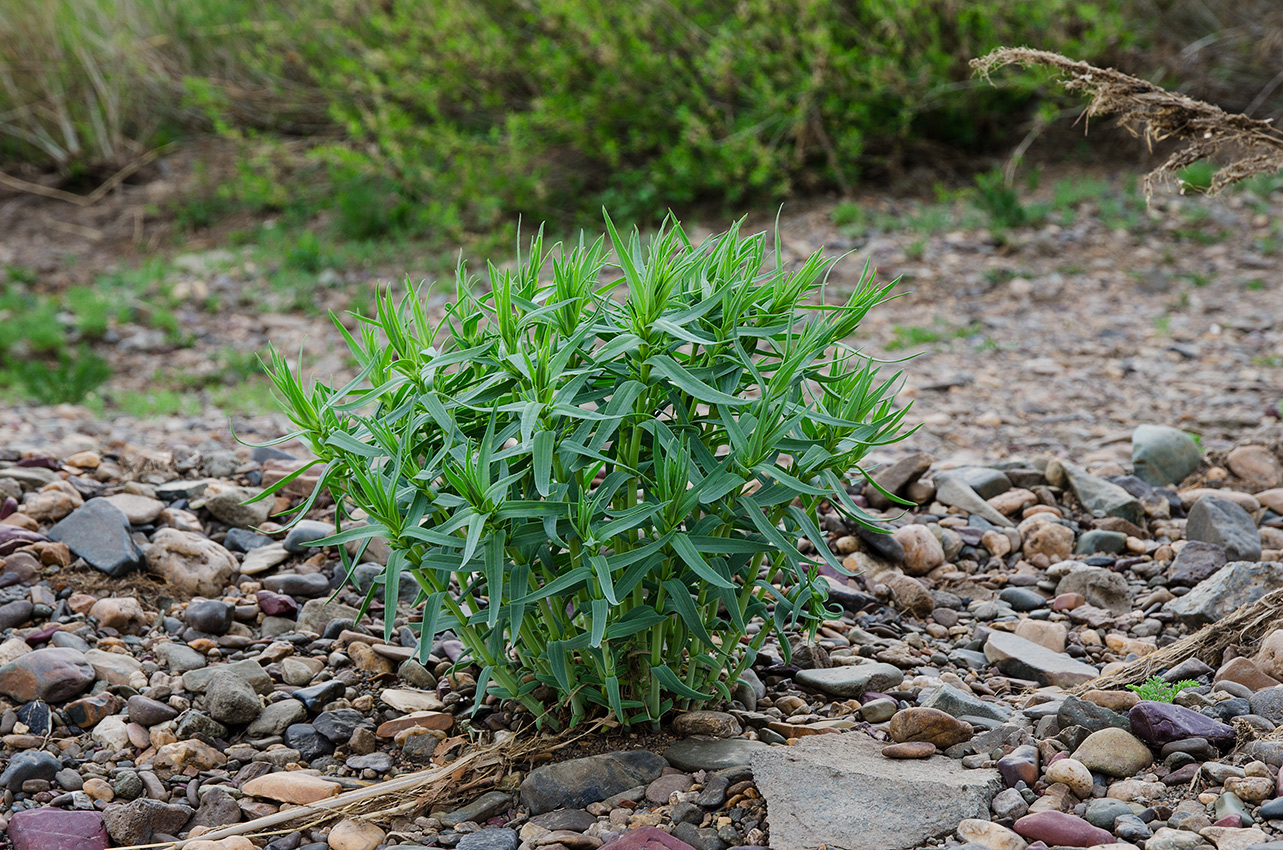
{"points": [[1025, 659], [840, 791], [1235, 584]]}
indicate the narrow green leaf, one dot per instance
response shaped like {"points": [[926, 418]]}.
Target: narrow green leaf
{"points": [[542, 458]]}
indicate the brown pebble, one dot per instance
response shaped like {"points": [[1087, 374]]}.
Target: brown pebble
{"points": [[910, 750]]}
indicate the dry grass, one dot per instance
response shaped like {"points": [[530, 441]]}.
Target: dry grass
{"points": [[1245, 146], [1244, 628]]}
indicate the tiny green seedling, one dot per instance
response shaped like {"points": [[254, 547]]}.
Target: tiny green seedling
{"points": [[1156, 690]]}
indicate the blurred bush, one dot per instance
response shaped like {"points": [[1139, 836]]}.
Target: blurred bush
{"points": [[455, 114]]}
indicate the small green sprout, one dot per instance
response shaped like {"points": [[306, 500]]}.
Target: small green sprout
{"points": [[1156, 690]]}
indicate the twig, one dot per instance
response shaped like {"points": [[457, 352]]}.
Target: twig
{"points": [[1155, 114], [20, 185]]}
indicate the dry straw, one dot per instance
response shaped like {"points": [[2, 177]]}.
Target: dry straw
{"points": [[1250, 146]]}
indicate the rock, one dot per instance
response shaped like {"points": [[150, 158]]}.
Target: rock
{"points": [[712, 754], [715, 724], [310, 743], [1159, 723], [1269, 658], [307, 586], [1020, 765], [931, 725], [115, 668], [276, 604], [663, 787], [1114, 752], [908, 594], [52, 675], [248, 670], [952, 490], [1234, 585], [500, 838], [303, 533], [895, 478], [192, 564], [339, 724], [959, 703], [411, 700], [1073, 773], [56, 829], [1162, 455], [291, 787], [227, 504], [990, 835], [276, 717], [211, 616], [31, 764], [1043, 633], [1256, 466], [99, 532], [137, 821], [1268, 703], [839, 790], [316, 614], [148, 712], [1099, 541], [110, 734], [14, 614], [122, 613], [1098, 497], [1051, 540], [262, 558], [230, 699], [578, 782], [910, 750], [1092, 717], [852, 680], [1024, 659], [1059, 828], [1195, 562], [181, 755], [179, 657], [1245, 673], [1223, 523], [354, 835], [1099, 587], [922, 551], [217, 808]]}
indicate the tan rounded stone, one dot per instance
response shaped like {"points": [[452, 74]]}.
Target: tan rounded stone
{"points": [[1256, 465], [1043, 633], [910, 750], [1269, 658], [1053, 541], [1250, 789], [291, 786], [354, 835], [1073, 773], [122, 613], [922, 551], [99, 789], [991, 835], [1013, 501], [1119, 701], [192, 564], [231, 842], [929, 724]]}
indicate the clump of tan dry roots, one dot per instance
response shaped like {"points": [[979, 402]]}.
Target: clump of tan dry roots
{"points": [[1248, 146]]}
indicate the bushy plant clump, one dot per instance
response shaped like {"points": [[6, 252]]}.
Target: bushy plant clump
{"points": [[457, 114], [599, 482]]}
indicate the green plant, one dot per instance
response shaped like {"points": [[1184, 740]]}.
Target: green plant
{"points": [[1000, 202], [913, 336], [598, 492], [1157, 690]]}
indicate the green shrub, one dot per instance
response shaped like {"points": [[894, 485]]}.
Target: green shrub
{"points": [[598, 491], [1155, 689]]}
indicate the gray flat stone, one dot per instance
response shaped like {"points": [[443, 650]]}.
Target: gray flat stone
{"points": [[98, 531], [1222, 523], [1234, 584], [1099, 497], [839, 790], [249, 671], [711, 753], [851, 680], [1025, 659], [959, 703], [953, 490]]}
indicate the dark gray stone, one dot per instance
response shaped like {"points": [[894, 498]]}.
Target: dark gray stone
{"points": [[232, 700], [217, 808], [298, 537], [1225, 524], [1195, 562], [14, 614], [338, 725], [1023, 599], [310, 743], [481, 809], [1099, 541], [211, 616], [692, 754], [31, 764], [578, 782], [136, 822], [1100, 587], [148, 712], [99, 532], [959, 703], [1268, 703], [1235, 584], [306, 586], [192, 723], [277, 717], [1077, 712], [1098, 497], [495, 838]]}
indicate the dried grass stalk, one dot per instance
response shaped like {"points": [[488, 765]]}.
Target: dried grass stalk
{"points": [[1253, 146], [1245, 627]]}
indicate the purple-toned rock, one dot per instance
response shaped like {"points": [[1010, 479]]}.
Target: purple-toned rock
{"points": [[1059, 828], [13, 538], [276, 604], [1020, 765], [53, 675], [1159, 723], [647, 838], [57, 829]]}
